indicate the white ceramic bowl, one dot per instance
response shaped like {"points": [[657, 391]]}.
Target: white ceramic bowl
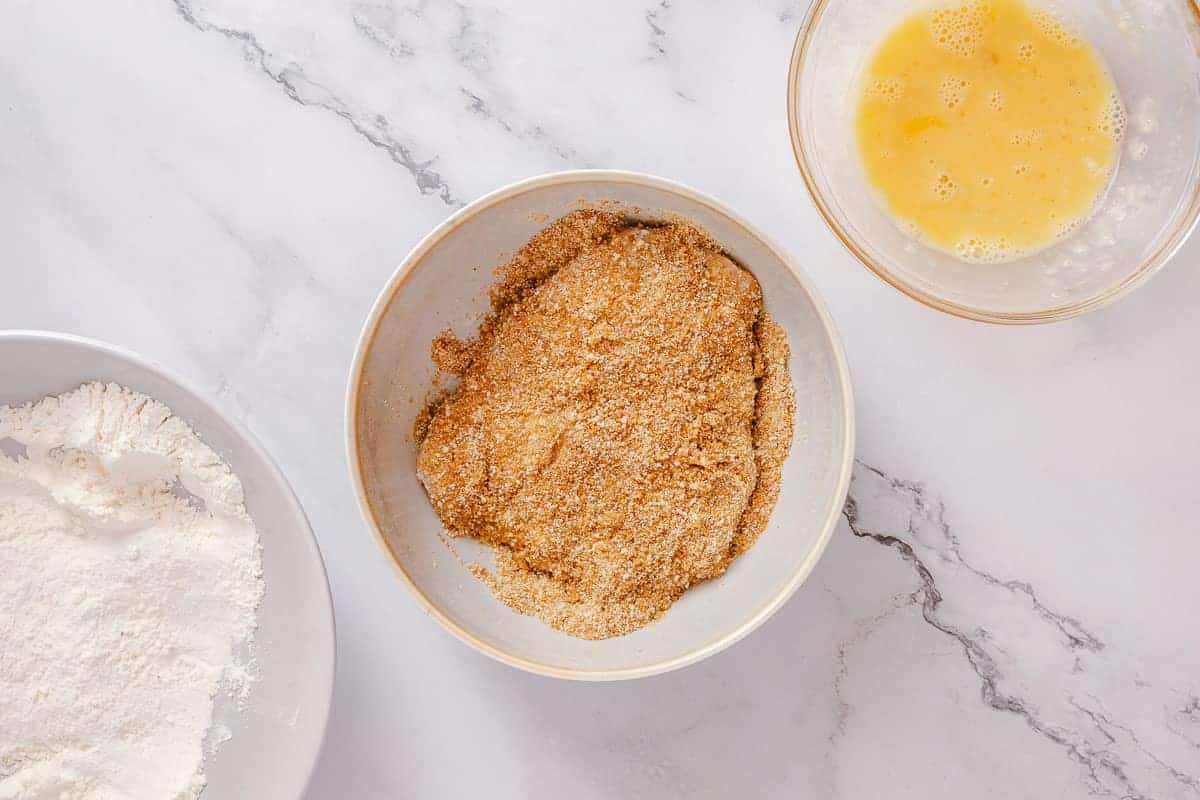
{"points": [[277, 736], [443, 283]]}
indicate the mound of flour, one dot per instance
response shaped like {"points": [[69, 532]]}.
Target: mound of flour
{"points": [[130, 575]]}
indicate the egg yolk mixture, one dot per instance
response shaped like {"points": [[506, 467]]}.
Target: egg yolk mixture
{"points": [[988, 128]]}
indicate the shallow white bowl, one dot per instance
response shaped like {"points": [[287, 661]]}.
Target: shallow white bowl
{"points": [[443, 282], [277, 736]]}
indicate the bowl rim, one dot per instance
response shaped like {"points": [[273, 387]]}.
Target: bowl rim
{"points": [[289, 495], [366, 340], [1164, 251]]}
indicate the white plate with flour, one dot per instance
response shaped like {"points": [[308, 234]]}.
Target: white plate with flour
{"points": [[267, 743]]}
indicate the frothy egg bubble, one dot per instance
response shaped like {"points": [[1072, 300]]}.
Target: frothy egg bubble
{"points": [[1065, 229], [1055, 29], [889, 90], [1027, 137], [909, 227], [959, 28], [996, 101], [952, 91], [1113, 118], [945, 187], [1026, 52], [982, 250]]}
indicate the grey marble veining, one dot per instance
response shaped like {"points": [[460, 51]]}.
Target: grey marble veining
{"points": [[1009, 607], [1041, 665]]}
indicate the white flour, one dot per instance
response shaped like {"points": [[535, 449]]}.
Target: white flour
{"points": [[124, 599]]}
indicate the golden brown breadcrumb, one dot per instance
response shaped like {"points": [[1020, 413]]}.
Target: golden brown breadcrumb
{"points": [[620, 423]]}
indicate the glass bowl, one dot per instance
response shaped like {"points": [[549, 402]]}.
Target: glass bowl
{"points": [[1152, 48]]}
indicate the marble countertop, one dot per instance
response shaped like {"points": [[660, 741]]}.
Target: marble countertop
{"points": [[1010, 608]]}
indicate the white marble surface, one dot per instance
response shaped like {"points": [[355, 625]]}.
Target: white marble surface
{"points": [[1011, 609]]}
